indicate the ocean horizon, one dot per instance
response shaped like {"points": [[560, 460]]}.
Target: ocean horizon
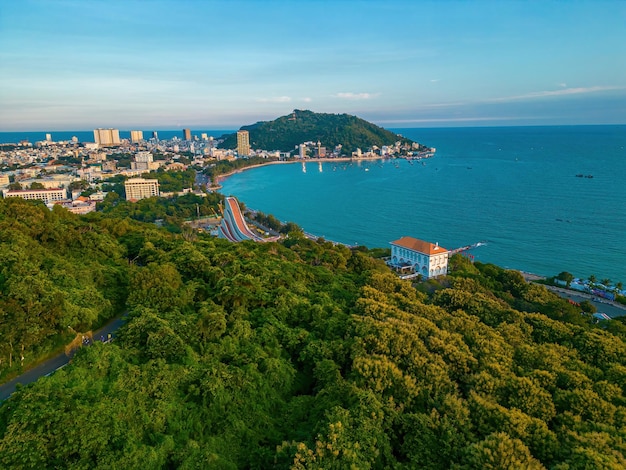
{"points": [[515, 188], [15, 137]]}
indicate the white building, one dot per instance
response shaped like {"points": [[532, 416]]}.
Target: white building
{"points": [[45, 195], [413, 256], [78, 206], [144, 161], [140, 188]]}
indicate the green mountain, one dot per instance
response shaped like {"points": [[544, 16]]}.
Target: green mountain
{"points": [[287, 132]]}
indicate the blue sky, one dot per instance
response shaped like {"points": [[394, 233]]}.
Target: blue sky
{"points": [[165, 64]]}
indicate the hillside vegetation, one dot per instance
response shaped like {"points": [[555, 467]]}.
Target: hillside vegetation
{"points": [[300, 355], [287, 132]]}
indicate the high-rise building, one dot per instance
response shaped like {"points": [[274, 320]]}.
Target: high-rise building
{"points": [[136, 136], [140, 188], [186, 134], [204, 136], [243, 143], [106, 136], [155, 135], [48, 137]]}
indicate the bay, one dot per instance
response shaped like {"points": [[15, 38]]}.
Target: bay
{"points": [[514, 187]]}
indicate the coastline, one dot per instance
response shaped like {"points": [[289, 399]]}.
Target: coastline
{"points": [[222, 178]]}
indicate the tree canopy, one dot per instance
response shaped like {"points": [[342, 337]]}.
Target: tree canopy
{"points": [[297, 354]]}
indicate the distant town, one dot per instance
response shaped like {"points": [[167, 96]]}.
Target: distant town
{"points": [[70, 173]]}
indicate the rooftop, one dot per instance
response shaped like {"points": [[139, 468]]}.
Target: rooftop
{"points": [[420, 245]]}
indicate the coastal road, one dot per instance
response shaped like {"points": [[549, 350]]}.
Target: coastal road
{"points": [[55, 363], [612, 309]]}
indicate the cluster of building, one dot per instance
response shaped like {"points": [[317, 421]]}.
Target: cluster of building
{"points": [[46, 170], [312, 149]]}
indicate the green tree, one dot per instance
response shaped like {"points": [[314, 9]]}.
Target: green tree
{"points": [[566, 277], [588, 307], [500, 452]]}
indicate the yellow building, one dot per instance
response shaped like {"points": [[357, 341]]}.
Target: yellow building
{"points": [[45, 195], [106, 136], [140, 188], [136, 136], [243, 143]]}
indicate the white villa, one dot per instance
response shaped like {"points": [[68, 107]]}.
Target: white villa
{"points": [[411, 256]]}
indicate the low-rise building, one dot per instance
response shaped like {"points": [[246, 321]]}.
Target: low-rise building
{"points": [[79, 206], [45, 195], [412, 256]]}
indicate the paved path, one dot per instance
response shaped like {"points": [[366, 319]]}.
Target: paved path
{"points": [[49, 366]]}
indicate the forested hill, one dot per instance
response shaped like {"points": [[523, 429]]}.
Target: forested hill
{"points": [[287, 132], [294, 355]]}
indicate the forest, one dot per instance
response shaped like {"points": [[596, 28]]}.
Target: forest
{"points": [[287, 132], [292, 355]]}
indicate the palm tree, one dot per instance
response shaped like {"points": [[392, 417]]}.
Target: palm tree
{"points": [[592, 280], [606, 283]]}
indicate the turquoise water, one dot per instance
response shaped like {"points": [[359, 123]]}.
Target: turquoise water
{"points": [[513, 187]]}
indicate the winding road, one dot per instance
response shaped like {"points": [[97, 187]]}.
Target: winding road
{"points": [[55, 363]]}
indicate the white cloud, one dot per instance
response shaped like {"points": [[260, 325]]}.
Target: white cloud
{"points": [[563, 85], [307, 99], [356, 96], [444, 120], [275, 99], [562, 92]]}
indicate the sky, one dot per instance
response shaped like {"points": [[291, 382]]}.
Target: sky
{"points": [[218, 64]]}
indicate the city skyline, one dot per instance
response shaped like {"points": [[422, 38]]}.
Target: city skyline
{"points": [[69, 65]]}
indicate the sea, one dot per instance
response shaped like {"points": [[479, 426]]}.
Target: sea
{"points": [[514, 188], [542, 199]]}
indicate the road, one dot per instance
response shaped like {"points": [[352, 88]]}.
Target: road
{"points": [[49, 366], [612, 309]]}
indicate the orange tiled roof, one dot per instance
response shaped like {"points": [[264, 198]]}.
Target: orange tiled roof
{"points": [[419, 245]]}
